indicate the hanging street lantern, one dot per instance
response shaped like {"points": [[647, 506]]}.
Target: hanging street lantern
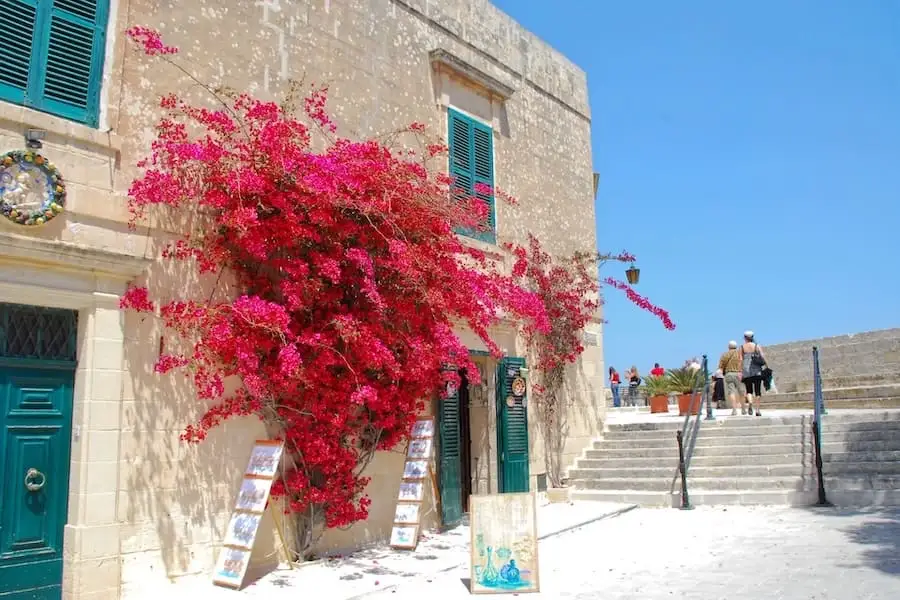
{"points": [[633, 274]]}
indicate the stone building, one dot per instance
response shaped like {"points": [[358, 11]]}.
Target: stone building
{"points": [[99, 497]]}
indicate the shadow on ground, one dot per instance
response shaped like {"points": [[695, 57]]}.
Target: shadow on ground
{"points": [[878, 529]]}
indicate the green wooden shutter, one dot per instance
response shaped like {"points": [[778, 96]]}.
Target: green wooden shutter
{"points": [[472, 162], [512, 430], [449, 462], [51, 55], [74, 43], [18, 34]]}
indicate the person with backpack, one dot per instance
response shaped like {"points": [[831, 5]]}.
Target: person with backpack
{"points": [[753, 363]]}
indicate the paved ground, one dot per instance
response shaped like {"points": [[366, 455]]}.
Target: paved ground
{"points": [[753, 553]]}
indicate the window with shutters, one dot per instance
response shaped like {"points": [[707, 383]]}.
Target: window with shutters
{"points": [[472, 163], [51, 56]]}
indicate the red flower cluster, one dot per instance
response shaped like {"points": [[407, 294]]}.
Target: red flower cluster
{"points": [[642, 302], [352, 284]]}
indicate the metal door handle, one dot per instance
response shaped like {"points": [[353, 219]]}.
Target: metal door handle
{"points": [[34, 480]]}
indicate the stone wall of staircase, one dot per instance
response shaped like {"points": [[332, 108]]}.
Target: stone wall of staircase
{"points": [[861, 359]]}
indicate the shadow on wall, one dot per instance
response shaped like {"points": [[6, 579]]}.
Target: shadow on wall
{"points": [[176, 498]]}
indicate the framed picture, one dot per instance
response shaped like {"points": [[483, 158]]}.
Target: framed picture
{"points": [[420, 448], [423, 428], [264, 458], [253, 495], [407, 514], [415, 469], [231, 567], [242, 530], [504, 544], [405, 536], [411, 491]]}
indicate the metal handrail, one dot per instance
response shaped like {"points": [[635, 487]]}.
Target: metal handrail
{"points": [[687, 435], [818, 412]]}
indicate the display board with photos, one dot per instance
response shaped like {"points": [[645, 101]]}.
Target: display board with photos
{"points": [[416, 470], [252, 499]]}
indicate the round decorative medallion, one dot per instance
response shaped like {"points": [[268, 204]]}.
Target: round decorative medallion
{"points": [[510, 401], [31, 189], [518, 387]]}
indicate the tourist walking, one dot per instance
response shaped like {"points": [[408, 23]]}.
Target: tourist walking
{"points": [[730, 365], [614, 382], [718, 385], [634, 380], [753, 362]]}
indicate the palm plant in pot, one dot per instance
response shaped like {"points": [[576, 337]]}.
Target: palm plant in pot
{"points": [[684, 381], [657, 389]]}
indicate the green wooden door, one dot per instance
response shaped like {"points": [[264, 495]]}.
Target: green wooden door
{"points": [[512, 429], [37, 373], [450, 466]]}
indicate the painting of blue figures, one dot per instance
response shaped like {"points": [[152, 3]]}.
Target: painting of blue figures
{"points": [[504, 544]]}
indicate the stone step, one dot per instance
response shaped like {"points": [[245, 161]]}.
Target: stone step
{"points": [[862, 482], [700, 483], [703, 472], [883, 456], [883, 445], [712, 430], [864, 498], [806, 385], [861, 467], [835, 394], [643, 499], [869, 403], [775, 497], [872, 432], [721, 460]]}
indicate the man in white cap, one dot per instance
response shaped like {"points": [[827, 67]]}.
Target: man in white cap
{"points": [[730, 365]]}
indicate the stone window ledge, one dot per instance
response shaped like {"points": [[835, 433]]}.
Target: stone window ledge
{"points": [[444, 60], [26, 118]]}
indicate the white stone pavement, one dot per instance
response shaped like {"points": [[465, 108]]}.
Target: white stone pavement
{"points": [[362, 573], [738, 553]]}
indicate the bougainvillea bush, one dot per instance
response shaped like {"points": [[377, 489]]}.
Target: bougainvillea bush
{"points": [[351, 283]]}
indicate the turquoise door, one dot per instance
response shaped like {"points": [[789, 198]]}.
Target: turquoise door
{"points": [[449, 459], [512, 429], [37, 373]]}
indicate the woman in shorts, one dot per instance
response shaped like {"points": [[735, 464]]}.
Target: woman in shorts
{"points": [[753, 362]]}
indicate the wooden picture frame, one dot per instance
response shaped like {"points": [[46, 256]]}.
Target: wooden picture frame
{"points": [[264, 459], [407, 513], [231, 567], [411, 491], [420, 449], [423, 428], [503, 551], [404, 537], [253, 495], [415, 469]]}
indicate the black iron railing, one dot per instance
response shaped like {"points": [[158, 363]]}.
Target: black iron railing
{"points": [[818, 412], [687, 435]]}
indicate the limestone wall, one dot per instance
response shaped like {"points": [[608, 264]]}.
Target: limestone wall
{"points": [[845, 360]]}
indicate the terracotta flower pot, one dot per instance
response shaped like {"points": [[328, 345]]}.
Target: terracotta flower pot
{"points": [[633, 274], [684, 403], [659, 404]]}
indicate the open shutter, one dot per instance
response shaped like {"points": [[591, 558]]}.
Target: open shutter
{"points": [[18, 33], [472, 162], [449, 461], [512, 429], [75, 42]]}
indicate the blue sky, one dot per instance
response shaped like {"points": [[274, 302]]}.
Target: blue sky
{"points": [[749, 155]]}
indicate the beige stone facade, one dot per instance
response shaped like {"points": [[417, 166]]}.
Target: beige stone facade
{"points": [[144, 509]]}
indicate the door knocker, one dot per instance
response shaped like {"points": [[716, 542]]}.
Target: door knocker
{"points": [[34, 480]]}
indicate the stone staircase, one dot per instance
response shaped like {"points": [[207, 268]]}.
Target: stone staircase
{"points": [[746, 460], [882, 395]]}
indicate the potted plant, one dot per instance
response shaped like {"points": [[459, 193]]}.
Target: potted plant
{"points": [[633, 274], [657, 389], [685, 381]]}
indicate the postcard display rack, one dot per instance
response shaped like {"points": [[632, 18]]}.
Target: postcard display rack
{"points": [[249, 509], [405, 532]]}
